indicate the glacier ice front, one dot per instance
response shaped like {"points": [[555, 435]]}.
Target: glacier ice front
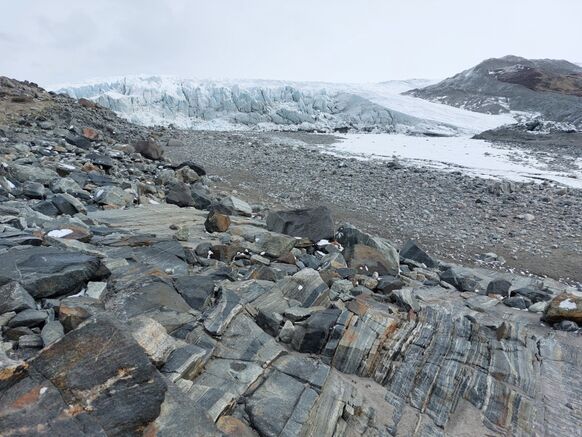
{"points": [[275, 105]]}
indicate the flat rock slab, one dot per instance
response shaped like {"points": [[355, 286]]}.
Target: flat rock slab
{"points": [[168, 256], [307, 287], [244, 340], [147, 298], [280, 402], [222, 383], [95, 381], [156, 219], [46, 271]]}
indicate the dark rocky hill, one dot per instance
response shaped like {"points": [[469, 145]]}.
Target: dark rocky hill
{"points": [[552, 88]]}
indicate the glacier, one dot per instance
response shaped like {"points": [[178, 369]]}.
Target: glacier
{"points": [[279, 105]]}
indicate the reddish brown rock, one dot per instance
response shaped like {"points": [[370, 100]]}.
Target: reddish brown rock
{"points": [[565, 306], [90, 134], [217, 222], [86, 103]]}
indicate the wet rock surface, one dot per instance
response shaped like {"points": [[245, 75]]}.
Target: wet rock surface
{"points": [[130, 317]]}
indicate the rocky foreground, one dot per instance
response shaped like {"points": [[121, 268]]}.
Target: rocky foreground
{"points": [[135, 299]]}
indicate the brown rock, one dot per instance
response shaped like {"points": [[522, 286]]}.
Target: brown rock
{"points": [[367, 260], [150, 149], [88, 167], [75, 310], [90, 134], [287, 258], [565, 306], [223, 252], [231, 426], [217, 222], [85, 103], [94, 381]]}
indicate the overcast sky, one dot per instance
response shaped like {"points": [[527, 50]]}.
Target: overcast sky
{"points": [[57, 41]]}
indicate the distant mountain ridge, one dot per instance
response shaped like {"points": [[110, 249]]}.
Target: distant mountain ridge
{"points": [[548, 87]]}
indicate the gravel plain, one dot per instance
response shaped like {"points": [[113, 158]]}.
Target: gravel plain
{"points": [[534, 228]]}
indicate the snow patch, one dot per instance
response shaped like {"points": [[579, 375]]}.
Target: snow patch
{"points": [[60, 233], [472, 157], [568, 305]]}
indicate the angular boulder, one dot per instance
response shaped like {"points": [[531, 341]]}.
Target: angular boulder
{"points": [[13, 297], [113, 196], [76, 309], [179, 194], [46, 272], [201, 196], [234, 205], [348, 236], [461, 278], [367, 260], [305, 286], [499, 286], [412, 251], [313, 223], [149, 149], [311, 336]]}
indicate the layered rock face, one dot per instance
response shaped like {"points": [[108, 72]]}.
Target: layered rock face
{"points": [[552, 88], [124, 313]]}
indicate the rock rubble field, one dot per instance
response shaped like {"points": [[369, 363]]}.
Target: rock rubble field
{"points": [[139, 296]]}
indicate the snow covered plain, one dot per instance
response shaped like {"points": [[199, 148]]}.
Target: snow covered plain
{"points": [[472, 157]]}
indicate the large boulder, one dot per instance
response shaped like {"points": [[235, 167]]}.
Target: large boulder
{"points": [[75, 310], [311, 336], [313, 223], [367, 260], [461, 278], [149, 148], [32, 173], [499, 286], [179, 194], [412, 251], [305, 286], [216, 222], [112, 197], [349, 236], [201, 196], [234, 205], [196, 290], [533, 294], [565, 306]]}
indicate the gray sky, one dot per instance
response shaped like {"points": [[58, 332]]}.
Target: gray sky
{"points": [[56, 41]]}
